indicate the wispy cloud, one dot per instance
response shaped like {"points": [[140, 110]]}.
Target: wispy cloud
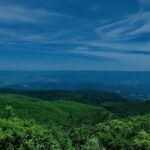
{"points": [[124, 33], [19, 13], [127, 39], [39, 29], [130, 58], [126, 28]]}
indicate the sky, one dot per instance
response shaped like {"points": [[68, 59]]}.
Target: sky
{"points": [[75, 35]]}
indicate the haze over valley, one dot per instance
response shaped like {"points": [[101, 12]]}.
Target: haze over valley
{"points": [[132, 85]]}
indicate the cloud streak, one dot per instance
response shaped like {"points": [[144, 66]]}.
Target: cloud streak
{"points": [[126, 28], [19, 13], [43, 30]]}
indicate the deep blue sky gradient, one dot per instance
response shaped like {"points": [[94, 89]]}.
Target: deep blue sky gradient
{"points": [[75, 35]]}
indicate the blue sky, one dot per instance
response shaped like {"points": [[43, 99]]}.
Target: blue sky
{"points": [[75, 35]]}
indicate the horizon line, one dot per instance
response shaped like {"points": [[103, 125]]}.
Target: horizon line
{"points": [[74, 70]]}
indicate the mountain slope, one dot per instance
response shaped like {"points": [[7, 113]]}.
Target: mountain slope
{"points": [[128, 109], [31, 123], [59, 112], [92, 97]]}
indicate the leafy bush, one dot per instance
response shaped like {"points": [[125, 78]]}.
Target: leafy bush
{"points": [[129, 133], [18, 134]]}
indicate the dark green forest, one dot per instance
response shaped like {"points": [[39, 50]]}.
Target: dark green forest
{"points": [[66, 120]]}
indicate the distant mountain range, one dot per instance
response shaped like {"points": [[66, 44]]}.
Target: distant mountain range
{"points": [[133, 85]]}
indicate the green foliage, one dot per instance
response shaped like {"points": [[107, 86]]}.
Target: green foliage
{"points": [[91, 97], [142, 140], [28, 123], [128, 109], [129, 133], [21, 135], [9, 112], [92, 144], [62, 113]]}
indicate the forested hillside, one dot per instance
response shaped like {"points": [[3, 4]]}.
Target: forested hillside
{"points": [[28, 123], [58, 112], [92, 97]]}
